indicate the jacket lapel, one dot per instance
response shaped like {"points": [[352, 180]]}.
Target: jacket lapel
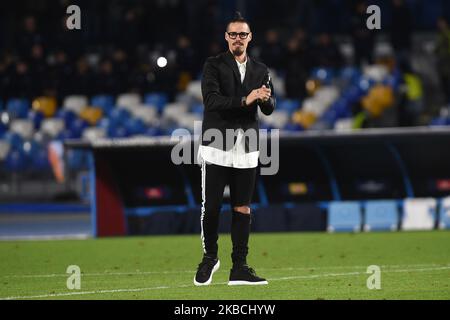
{"points": [[248, 74], [231, 62]]}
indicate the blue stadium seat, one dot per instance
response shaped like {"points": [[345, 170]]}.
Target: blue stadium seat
{"points": [[350, 74], [159, 100], [14, 140], [3, 129], [36, 117], [77, 127], [266, 126], [16, 161], [329, 117], [103, 123], [381, 215], [353, 94], [154, 132], [117, 132], [325, 75], [440, 121], [444, 214], [76, 159], [344, 216], [18, 108], [112, 127], [31, 148], [119, 116], [67, 115], [40, 161], [135, 126], [365, 84], [289, 105], [342, 108], [197, 108], [66, 134], [293, 127], [104, 101]]}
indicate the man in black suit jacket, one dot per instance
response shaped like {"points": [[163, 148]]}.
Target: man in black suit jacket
{"points": [[234, 86]]}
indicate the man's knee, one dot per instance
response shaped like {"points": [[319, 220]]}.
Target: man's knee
{"points": [[242, 209]]}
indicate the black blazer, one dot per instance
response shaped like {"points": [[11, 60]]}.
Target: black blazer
{"points": [[223, 91]]}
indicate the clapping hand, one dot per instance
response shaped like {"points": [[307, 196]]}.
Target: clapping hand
{"points": [[260, 94]]}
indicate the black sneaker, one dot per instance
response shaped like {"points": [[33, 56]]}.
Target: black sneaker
{"points": [[244, 275], [205, 271]]}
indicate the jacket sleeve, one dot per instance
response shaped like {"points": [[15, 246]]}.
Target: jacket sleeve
{"points": [[268, 106], [212, 97]]}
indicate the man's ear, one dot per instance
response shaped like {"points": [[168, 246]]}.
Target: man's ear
{"points": [[250, 37], [226, 34]]}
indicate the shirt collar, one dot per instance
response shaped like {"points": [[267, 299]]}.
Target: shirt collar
{"points": [[243, 63]]}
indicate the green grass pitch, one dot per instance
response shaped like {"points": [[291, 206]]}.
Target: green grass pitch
{"points": [[414, 265]]}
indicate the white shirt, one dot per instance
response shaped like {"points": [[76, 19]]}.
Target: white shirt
{"points": [[236, 157], [242, 68]]}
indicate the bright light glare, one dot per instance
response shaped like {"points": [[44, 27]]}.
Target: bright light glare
{"points": [[161, 62]]}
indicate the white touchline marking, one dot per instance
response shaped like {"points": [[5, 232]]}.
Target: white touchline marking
{"points": [[356, 273], [219, 283], [75, 236], [98, 274], [106, 273]]}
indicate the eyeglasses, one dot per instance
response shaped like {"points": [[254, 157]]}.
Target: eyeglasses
{"points": [[242, 35]]}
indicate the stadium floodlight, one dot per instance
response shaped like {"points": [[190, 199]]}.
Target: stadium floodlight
{"points": [[161, 62]]}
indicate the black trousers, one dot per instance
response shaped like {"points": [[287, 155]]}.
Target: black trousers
{"points": [[242, 183]]}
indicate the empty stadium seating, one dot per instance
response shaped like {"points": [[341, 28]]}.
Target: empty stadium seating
{"points": [[344, 216], [381, 215], [17, 108]]}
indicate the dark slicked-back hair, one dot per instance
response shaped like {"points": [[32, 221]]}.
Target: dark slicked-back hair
{"points": [[238, 18]]}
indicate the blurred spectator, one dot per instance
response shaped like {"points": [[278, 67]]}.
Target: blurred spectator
{"points": [[106, 79], [82, 80], [411, 104], [401, 30], [443, 56], [28, 35], [363, 38], [326, 53], [38, 67], [128, 28], [214, 49], [60, 74], [116, 47], [272, 52], [21, 84], [186, 56], [70, 41], [6, 65], [298, 64], [121, 66]]}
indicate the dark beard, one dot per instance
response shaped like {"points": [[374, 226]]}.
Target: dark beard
{"points": [[238, 52]]}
